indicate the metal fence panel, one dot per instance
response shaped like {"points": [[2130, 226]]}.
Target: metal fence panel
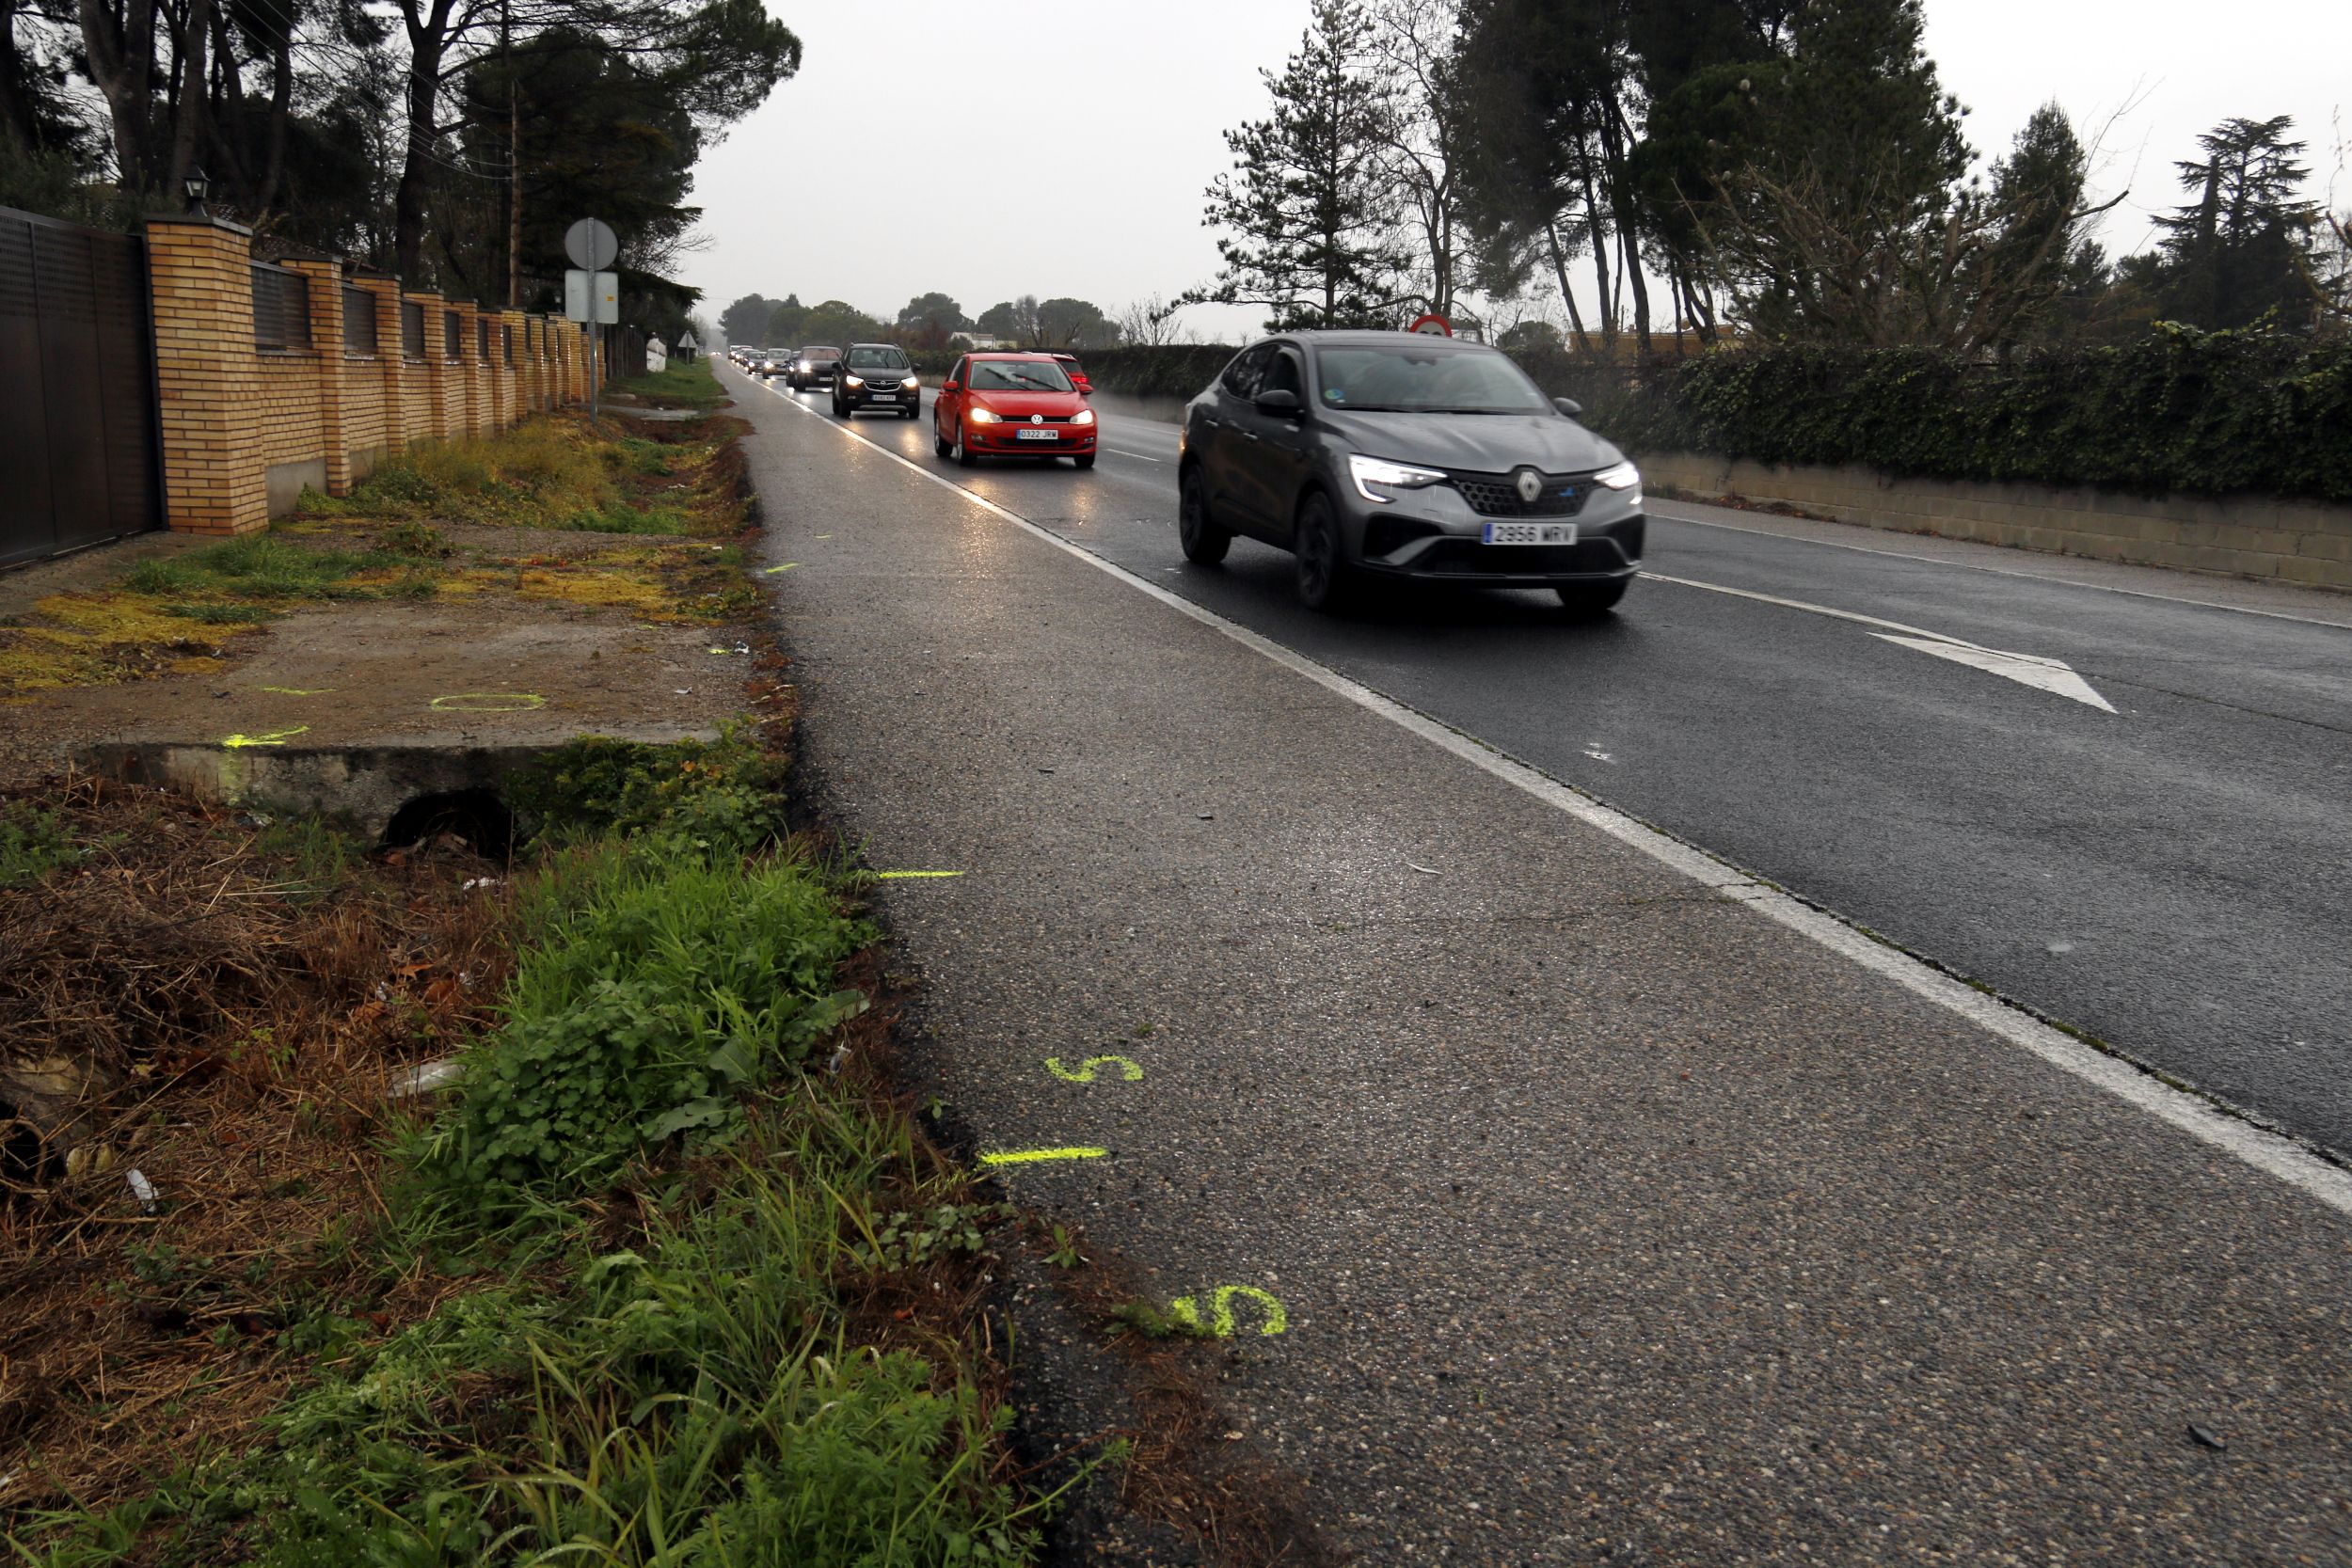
{"points": [[411, 330], [453, 345], [282, 307], [77, 403], [359, 321]]}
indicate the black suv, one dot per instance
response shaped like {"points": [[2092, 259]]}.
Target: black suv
{"points": [[1406, 456], [805, 367], [876, 375]]}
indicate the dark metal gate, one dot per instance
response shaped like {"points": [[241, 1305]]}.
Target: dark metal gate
{"points": [[77, 392]]}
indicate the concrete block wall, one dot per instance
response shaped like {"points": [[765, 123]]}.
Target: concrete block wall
{"points": [[2308, 544], [246, 428]]}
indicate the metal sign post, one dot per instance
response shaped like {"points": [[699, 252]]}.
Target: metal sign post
{"points": [[592, 245]]}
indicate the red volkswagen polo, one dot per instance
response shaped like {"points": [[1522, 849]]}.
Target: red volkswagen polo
{"points": [[1013, 405]]}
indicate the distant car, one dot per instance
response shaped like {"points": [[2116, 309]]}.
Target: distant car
{"points": [[770, 362], [739, 353], [1011, 404], [813, 364], [1069, 363], [877, 375], [1429, 458]]}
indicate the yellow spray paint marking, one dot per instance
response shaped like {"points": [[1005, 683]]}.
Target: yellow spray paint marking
{"points": [[275, 737], [1128, 1069], [771, 571], [1036, 1156], [906, 876], [1187, 1311], [488, 702], [298, 690]]}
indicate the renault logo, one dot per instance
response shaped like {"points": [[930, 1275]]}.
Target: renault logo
{"points": [[1037, 419], [1530, 484]]}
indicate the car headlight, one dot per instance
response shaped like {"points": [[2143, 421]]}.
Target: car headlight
{"points": [[803, 364], [1369, 471], [911, 383], [1083, 416], [1621, 476], [984, 416], [853, 381]]}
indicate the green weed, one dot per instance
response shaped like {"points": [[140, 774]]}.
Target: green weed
{"points": [[33, 844], [723, 797], [1155, 1323]]}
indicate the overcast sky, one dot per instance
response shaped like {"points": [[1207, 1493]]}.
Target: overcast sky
{"points": [[938, 144]]}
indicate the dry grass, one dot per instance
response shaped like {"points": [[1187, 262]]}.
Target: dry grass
{"points": [[240, 999]]}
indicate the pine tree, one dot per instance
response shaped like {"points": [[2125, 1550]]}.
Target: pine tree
{"points": [[2242, 247], [1308, 209]]}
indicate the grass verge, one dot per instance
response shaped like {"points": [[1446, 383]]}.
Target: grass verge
{"points": [[686, 384], [655, 1283], [677, 489]]}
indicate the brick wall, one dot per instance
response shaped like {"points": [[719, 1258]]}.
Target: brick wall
{"points": [[244, 428]]}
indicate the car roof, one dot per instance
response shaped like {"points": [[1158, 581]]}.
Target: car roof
{"points": [[1362, 338], [1012, 353]]}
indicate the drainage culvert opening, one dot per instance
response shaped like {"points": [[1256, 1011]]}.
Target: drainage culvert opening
{"points": [[476, 817]]}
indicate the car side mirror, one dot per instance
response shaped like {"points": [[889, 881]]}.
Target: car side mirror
{"points": [[951, 386], [1281, 402], [1569, 406]]}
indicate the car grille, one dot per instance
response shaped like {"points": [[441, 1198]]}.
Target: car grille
{"points": [[1498, 495]]}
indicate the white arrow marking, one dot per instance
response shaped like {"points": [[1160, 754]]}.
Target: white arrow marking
{"points": [[2042, 674], [2053, 675]]}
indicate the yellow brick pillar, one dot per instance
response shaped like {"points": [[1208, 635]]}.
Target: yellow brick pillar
{"points": [[511, 346], [201, 289], [469, 412], [325, 278], [434, 382], [390, 363]]}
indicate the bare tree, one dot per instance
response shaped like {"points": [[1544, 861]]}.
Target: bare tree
{"points": [[1148, 322], [1415, 45]]}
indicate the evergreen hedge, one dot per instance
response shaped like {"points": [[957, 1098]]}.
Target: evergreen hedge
{"points": [[2178, 411]]}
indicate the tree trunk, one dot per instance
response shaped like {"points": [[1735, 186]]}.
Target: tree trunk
{"points": [[120, 51], [1615, 138], [280, 104], [1599, 231], [428, 45], [196, 34], [1568, 293], [16, 110]]}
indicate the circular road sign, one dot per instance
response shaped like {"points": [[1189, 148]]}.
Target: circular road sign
{"points": [[591, 244], [1431, 326]]}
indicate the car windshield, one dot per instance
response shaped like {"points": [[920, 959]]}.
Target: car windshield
{"points": [[820, 353], [876, 358], [1018, 375], [1424, 379]]}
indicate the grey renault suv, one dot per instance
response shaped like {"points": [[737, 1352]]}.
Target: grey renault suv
{"points": [[1388, 453]]}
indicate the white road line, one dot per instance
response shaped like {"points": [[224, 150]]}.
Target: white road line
{"points": [[1124, 454], [2053, 675], [2269, 1152], [1996, 571]]}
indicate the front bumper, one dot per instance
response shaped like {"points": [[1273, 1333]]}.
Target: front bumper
{"points": [[1068, 439], [1435, 534], [1600, 553], [866, 397]]}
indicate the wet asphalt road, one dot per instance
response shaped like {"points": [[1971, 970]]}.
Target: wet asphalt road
{"points": [[2171, 878], [1609, 1219]]}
